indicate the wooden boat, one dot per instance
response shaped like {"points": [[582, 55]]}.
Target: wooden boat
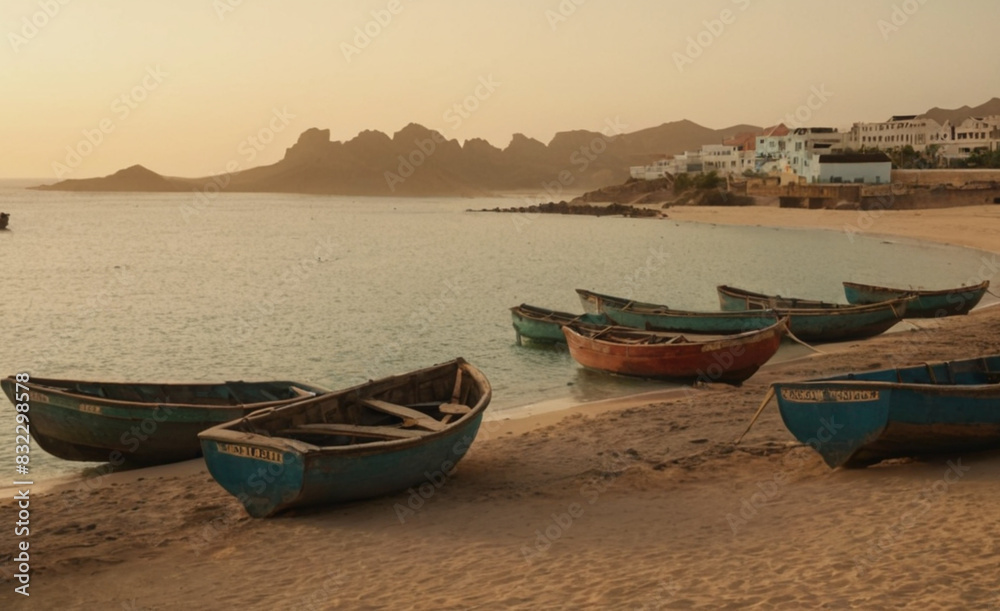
{"points": [[859, 419], [819, 321], [653, 354], [369, 440], [545, 326], [928, 304], [653, 317], [140, 423]]}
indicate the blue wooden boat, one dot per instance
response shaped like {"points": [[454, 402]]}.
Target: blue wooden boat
{"points": [[859, 419], [818, 321], [140, 423], [365, 441], [545, 326], [928, 304], [653, 317]]}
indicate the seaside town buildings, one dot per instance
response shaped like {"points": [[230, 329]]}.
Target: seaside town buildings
{"points": [[827, 155]]}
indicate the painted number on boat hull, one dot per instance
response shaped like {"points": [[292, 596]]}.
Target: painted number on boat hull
{"points": [[808, 395], [251, 452]]}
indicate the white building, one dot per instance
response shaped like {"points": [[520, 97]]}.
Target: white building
{"points": [[866, 168], [658, 169], [771, 145], [726, 159], [804, 143], [951, 141]]}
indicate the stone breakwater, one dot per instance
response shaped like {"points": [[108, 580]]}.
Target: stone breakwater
{"points": [[579, 208]]}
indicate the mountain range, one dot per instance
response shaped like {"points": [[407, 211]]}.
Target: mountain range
{"points": [[416, 161]]}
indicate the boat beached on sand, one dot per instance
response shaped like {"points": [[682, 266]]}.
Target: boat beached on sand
{"points": [[365, 441], [140, 423], [858, 419]]}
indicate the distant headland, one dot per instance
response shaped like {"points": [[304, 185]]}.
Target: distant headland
{"points": [[417, 161]]}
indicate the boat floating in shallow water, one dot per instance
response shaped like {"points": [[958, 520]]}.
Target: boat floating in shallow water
{"points": [[545, 326], [818, 321], [654, 317], [653, 354], [927, 304]]}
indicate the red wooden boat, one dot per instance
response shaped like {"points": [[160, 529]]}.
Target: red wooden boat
{"points": [[651, 354]]}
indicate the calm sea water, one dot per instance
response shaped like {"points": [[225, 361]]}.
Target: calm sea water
{"points": [[337, 290]]}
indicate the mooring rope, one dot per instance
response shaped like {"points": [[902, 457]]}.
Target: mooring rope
{"points": [[767, 399], [795, 339]]}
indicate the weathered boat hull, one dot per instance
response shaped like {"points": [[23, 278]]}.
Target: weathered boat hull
{"points": [[71, 424], [861, 419], [655, 317], [545, 326], [270, 473], [927, 304], [815, 321], [730, 359]]}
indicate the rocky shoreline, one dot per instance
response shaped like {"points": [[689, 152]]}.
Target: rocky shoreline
{"points": [[564, 207]]}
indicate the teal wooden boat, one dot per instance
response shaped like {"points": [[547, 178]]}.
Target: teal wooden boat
{"points": [[365, 441], [653, 317], [545, 326], [140, 423], [818, 321], [928, 304], [859, 419]]}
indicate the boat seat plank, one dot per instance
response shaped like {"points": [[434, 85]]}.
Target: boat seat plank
{"points": [[419, 419], [454, 409], [354, 430]]}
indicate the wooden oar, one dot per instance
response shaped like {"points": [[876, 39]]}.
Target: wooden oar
{"points": [[767, 399], [455, 407]]}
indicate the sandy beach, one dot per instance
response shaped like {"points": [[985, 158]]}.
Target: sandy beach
{"points": [[643, 503]]}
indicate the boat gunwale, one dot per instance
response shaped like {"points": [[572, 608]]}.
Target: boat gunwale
{"points": [[305, 448], [985, 388], [648, 308], [153, 405], [982, 286], [723, 341], [838, 309]]}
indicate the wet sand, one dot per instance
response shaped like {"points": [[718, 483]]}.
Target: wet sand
{"points": [[641, 503]]}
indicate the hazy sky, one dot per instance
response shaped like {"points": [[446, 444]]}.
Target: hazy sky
{"points": [[181, 85]]}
